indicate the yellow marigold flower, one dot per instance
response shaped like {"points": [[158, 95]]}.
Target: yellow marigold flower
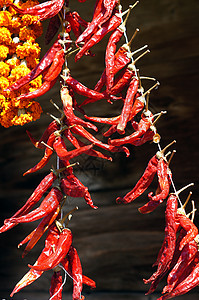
{"points": [[6, 116], [5, 3], [35, 110], [4, 69], [28, 20], [2, 101], [36, 83], [22, 118], [26, 33], [13, 62], [5, 18], [4, 83], [32, 61], [20, 103], [28, 49], [5, 36], [4, 50], [19, 72], [29, 3], [15, 25], [37, 29]]}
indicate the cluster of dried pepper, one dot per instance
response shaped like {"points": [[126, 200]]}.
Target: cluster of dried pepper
{"points": [[19, 54], [120, 81]]}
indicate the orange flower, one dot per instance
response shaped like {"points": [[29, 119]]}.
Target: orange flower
{"points": [[5, 36], [4, 69], [5, 18], [4, 50]]}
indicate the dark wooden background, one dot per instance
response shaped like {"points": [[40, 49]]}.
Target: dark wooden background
{"points": [[117, 245]]}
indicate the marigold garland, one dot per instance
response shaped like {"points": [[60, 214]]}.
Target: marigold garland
{"points": [[19, 54]]}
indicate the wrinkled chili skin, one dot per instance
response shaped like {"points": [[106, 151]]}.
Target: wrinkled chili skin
{"points": [[128, 103], [52, 29], [48, 205], [76, 272], [52, 127], [43, 186], [56, 286], [187, 255], [61, 250], [32, 275], [110, 25], [169, 243], [143, 182], [44, 63], [190, 228]]}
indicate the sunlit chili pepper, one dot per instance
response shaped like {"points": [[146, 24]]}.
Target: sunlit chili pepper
{"points": [[187, 255], [144, 125], [47, 155], [81, 21], [32, 275], [76, 272], [110, 25], [72, 187], [190, 282], [47, 206], [169, 242], [61, 250], [85, 134], [56, 286], [190, 228], [85, 280], [52, 127], [144, 182], [44, 64], [44, 10], [43, 186], [75, 21], [40, 230], [82, 89], [49, 78], [164, 183], [71, 119], [128, 103], [62, 152]]}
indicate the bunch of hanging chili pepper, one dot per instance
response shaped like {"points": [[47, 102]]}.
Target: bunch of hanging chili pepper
{"points": [[120, 81]]}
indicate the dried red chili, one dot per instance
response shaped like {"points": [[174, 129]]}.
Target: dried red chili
{"points": [[61, 250], [56, 286]]}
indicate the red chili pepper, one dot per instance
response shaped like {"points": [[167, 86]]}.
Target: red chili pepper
{"points": [[52, 127], [122, 58], [82, 89], [164, 187], [71, 119], [108, 26], [76, 272], [72, 187], [61, 250], [53, 27], [84, 133], [76, 28], [128, 103], [44, 10], [190, 228], [44, 64], [43, 186], [32, 275], [144, 125], [47, 206], [144, 182], [187, 255], [40, 230], [81, 21], [169, 243], [190, 282], [47, 155], [56, 286], [62, 152]]}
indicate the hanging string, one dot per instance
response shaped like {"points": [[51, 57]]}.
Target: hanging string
{"points": [[63, 283]]}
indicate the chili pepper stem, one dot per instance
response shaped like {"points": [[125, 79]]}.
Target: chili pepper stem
{"points": [[149, 78], [193, 210], [160, 114], [153, 87], [167, 154], [147, 101], [170, 158], [47, 145], [147, 51], [184, 188], [133, 37], [67, 216], [165, 148]]}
